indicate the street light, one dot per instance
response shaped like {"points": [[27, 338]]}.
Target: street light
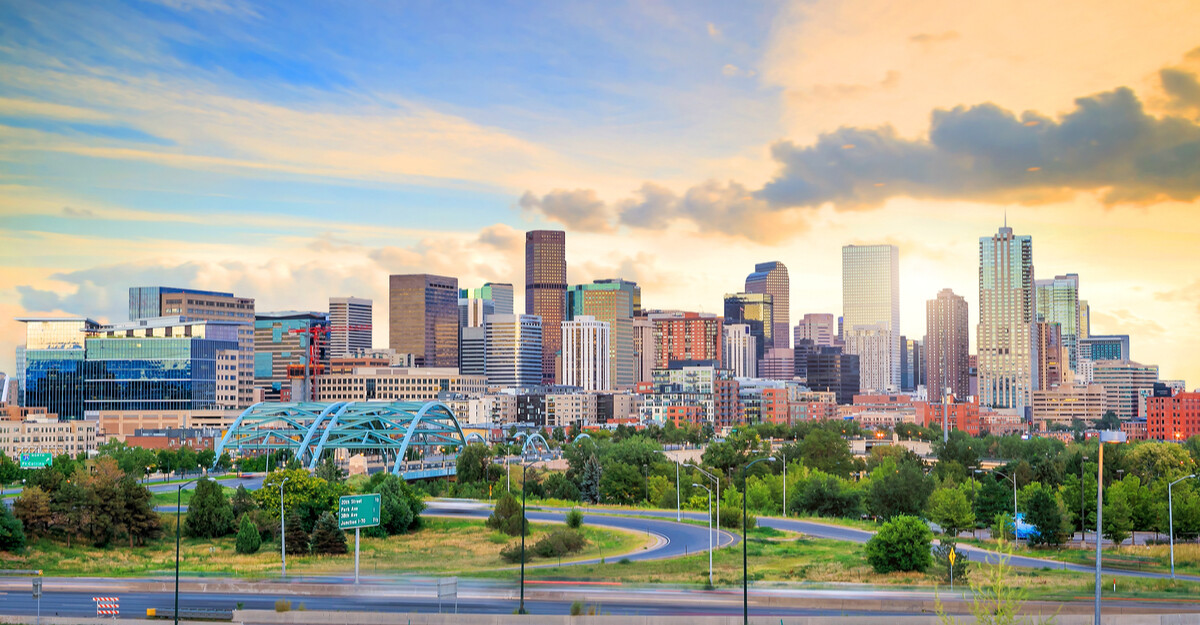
{"points": [[1106, 436], [524, 469], [745, 537], [1171, 521], [678, 514], [716, 495], [178, 507], [282, 531], [1082, 517], [710, 533]]}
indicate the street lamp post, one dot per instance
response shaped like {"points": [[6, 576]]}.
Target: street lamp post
{"points": [[282, 532], [1082, 514], [178, 507], [745, 536], [783, 459], [678, 514], [716, 495], [1012, 479], [524, 469], [1105, 437], [710, 534], [1171, 520]]}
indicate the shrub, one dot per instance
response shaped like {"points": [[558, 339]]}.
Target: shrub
{"points": [[574, 519], [731, 517], [248, 540], [294, 537], [559, 543], [512, 553], [12, 533], [507, 517], [576, 608], [283, 605], [902, 544]]}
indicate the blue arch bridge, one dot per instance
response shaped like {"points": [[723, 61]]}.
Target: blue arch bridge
{"points": [[416, 440]]}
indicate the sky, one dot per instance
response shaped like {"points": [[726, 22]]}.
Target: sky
{"points": [[293, 151]]}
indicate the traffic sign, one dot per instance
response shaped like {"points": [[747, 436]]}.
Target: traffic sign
{"points": [[36, 461], [358, 511], [37, 588], [952, 556]]}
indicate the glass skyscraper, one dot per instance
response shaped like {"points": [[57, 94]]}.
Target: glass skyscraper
{"points": [[514, 350], [1058, 302], [423, 318], [756, 310], [772, 278], [546, 290], [610, 301], [54, 357], [1006, 341], [871, 312]]}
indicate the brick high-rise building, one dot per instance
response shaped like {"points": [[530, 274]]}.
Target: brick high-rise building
{"points": [[772, 279], [1173, 418], [546, 290], [686, 336], [423, 318], [947, 345], [1052, 362]]}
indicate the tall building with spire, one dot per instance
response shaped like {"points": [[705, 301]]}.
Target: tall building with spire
{"points": [[546, 290], [871, 312], [772, 279], [1006, 340]]}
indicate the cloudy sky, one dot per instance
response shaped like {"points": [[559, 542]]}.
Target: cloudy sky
{"points": [[292, 151]]}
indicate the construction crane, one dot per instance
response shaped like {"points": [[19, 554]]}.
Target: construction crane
{"points": [[314, 333]]}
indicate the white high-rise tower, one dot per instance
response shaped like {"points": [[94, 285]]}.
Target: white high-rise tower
{"points": [[1007, 314], [871, 313]]}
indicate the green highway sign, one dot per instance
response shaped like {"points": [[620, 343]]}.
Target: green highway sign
{"points": [[36, 461], [358, 511]]}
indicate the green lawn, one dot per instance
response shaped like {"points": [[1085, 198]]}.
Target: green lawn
{"points": [[168, 499], [1154, 558], [442, 546]]}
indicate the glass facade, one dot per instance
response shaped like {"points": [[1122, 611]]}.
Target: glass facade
{"points": [[1006, 342], [772, 278], [54, 380], [546, 290], [870, 298], [131, 373], [757, 311], [1058, 302], [423, 318]]}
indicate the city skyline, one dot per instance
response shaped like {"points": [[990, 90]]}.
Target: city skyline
{"points": [[212, 162]]}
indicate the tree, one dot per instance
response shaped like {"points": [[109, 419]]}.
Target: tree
{"points": [[206, 458], [995, 599], [242, 502], [142, 523], [209, 513], [507, 516], [33, 509], [327, 537], [1151, 461], [248, 540], [557, 486], [826, 495], [473, 463], [400, 505], [825, 451], [949, 508], [589, 482], [622, 484], [329, 471], [1110, 421], [185, 459], [305, 496], [295, 539], [994, 497], [574, 519], [12, 533], [898, 490], [902, 544], [1044, 511], [1118, 520]]}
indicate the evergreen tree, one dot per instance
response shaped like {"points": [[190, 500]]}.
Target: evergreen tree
{"points": [[589, 483], [294, 537], [507, 516], [329, 471], [1043, 513], [248, 540], [141, 521], [327, 537], [12, 534], [209, 513], [242, 502]]}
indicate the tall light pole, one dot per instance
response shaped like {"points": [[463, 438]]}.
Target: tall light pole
{"points": [[710, 532], [178, 507], [716, 495], [946, 415], [282, 532], [678, 514], [1105, 437], [1082, 514], [1012, 479], [745, 537], [1171, 520], [524, 469]]}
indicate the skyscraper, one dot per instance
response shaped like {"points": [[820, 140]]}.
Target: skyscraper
{"points": [[772, 279], [686, 336], [282, 340], [500, 294], [349, 325], [609, 301], [739, 350], [820, 328], [947, 345], [1051, 362], [546, 290], [54, 362], [912, 364], [643, 349], [630, 287], [756, 310], [586, 354], [871, 312], [514, 350], [831, 370], [1006, 342], [423, 318], [1058, 302]]}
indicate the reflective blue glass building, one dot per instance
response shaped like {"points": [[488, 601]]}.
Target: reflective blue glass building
{"points": [[53, 367]]}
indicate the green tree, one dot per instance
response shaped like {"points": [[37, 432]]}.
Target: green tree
{"points": [[1118, 521], [12, 533], [898, 490], [34, 511], [589, 482], [248, 540], [400, 505], [473, 463], [902, 544], [1110, 421], [329, 471], [574, 519], [557, 486], [827, 452], [206, 458], [305, 496], [242, 502], [1044, 511], [622, 484], [826, 495], [142, 523], [507, 516], [185, 460], [327, 537], [949, 508], [209, 514], [295, 539]]}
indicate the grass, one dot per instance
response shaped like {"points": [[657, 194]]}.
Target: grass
{"points": [[443, 546], [1153, 558], [168, 499]]}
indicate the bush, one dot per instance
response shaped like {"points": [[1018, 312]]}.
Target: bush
{"points": [[576, 608], [574, 519], [327, 537], [12, 532], [731, 517], [209, 514], [559, 543], [512, 553], [507, 517], [248, 540], [283, 605], [902, 544]]}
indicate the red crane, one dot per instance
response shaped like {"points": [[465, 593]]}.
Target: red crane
{"points": [[314, 333]]}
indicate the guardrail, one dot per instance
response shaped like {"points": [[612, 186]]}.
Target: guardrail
{"points": [[194, 614]]}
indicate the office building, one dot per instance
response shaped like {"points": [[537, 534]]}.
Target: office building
{"points": [[46, 433], [628, 286], [757, 311], [1065, 403], [1051, 359], [423, 318], [740, 351], [285, 339], [820, 328], [397, 384], [830, 370], [686, 336], [349, 325], [777, 363], [472, 351], [1127, 384], [610, 301], [912, 364], [546, 290], [1104, 347], [800, 353], [20, 375], [643, 349], [499, 293], [1058, 302], [947, 344], [871, 312], [586, 355], [1173, 417], [1006, 343], [473, 310], [772, 279], [1085, 319], [54, 362], [146, 302], [514, 350]]}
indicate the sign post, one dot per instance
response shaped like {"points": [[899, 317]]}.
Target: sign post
{"points": [[358, 511], [36, 460], [37, 594], [952, 556], [447, 588]]}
